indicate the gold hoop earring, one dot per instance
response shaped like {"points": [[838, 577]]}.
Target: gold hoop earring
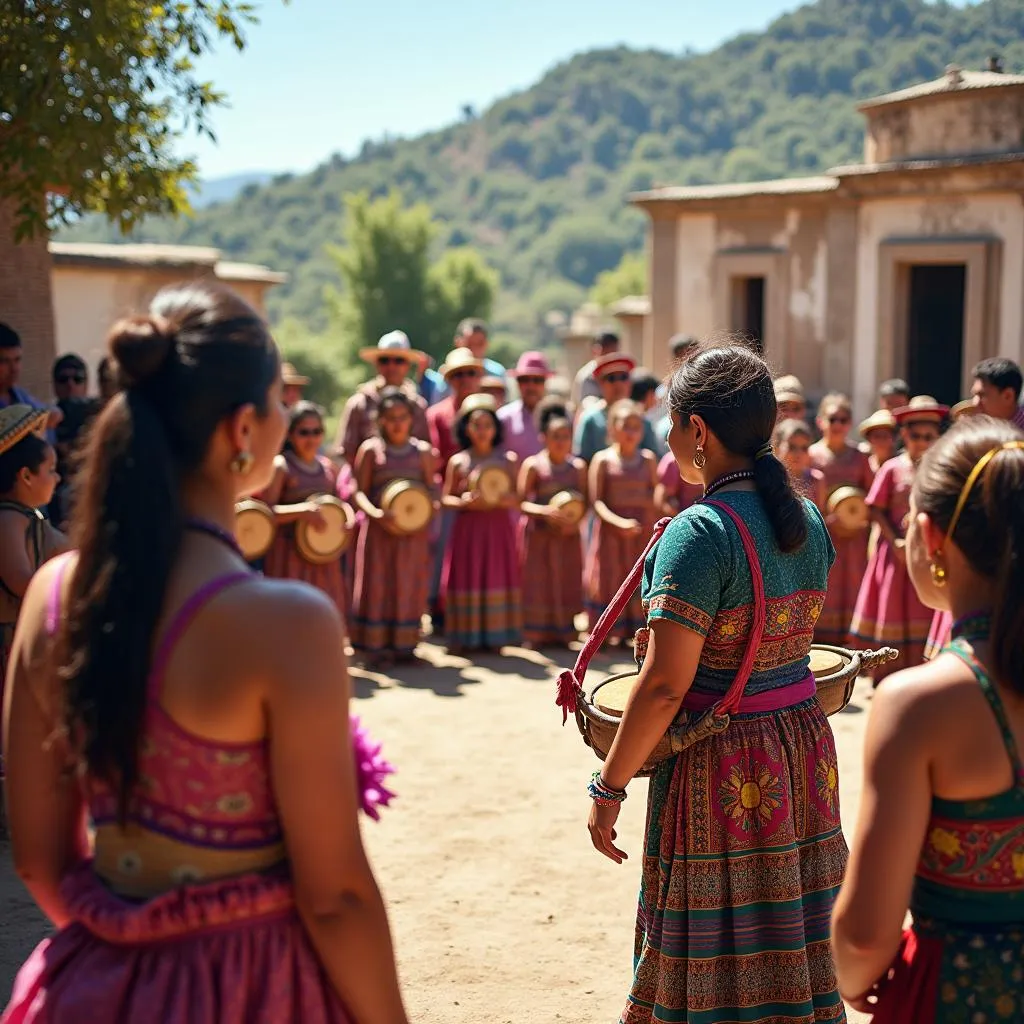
{"points": [[698, 457], [938, 573], [242, 463]]}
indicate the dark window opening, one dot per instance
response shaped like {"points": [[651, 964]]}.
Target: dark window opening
{"points": [[935, 330]]}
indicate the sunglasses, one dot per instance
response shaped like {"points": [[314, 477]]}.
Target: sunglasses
{"points": [[839, 419], [70, 378], [615, 378], [531, 380], [310, 432], [391, 361], [925, 438], [463, 374]]}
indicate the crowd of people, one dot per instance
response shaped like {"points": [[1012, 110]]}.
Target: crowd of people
{"points": [[193, 712]]}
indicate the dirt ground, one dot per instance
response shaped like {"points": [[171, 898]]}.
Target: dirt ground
{"points": [[501, 910]]}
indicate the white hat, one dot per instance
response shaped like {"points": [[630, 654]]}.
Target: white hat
{"points": [[394, 343]]}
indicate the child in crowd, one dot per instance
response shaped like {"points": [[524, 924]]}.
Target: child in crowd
{"points": [[792, 440]]}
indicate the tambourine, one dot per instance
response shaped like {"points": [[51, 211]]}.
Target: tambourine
{"points": [[255, 528], [409, 503], [850, 508], [329, 543], [572, 504], [492, 483]]}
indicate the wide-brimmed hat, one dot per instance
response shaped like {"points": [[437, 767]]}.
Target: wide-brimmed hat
{"points": [[394, 343], [494, 383], [883, 419], [789, 389], [17, 422], [531, 364], [459, 359], [480, 402], [921, 407], [614, 362], [964, 408], [289, 375]]}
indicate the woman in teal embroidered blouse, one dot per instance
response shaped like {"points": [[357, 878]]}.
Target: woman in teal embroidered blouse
{"points": [[941, 828], [743, 852]]}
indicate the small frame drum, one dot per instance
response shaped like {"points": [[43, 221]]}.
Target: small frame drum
{"points": [[492, 482], [835, 671], [409, 503], [572, 503], [850, 509], [325, 545], [255, 528]]}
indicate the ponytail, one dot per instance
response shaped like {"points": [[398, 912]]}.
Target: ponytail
{"points": [[781, 504]]}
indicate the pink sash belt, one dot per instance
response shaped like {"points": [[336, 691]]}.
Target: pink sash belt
{"points": [[754, 703]]}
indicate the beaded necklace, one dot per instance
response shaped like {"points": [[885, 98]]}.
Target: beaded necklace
{"points": [[973, 626], [727, 478], [199, 525]]}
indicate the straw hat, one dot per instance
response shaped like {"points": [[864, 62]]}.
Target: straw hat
{"points": [[921, 407], [964, 408], [291, 376], [459, 359], [479, 402], [880, 420], [614, 362], [493, 384], [789, 389], [17, 422], [394, 344]]}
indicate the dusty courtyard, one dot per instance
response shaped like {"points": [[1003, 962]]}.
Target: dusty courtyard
{"points": [[502, 911]]}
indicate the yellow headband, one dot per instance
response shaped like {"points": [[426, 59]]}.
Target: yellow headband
{"points": [[972, 479]]}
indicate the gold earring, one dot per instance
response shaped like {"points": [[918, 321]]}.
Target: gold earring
{"points": [[698, 457], [938, 572], [242, 463]]}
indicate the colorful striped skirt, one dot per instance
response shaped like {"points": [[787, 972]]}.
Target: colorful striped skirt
{"points": [[480, 585], [844, 580], [744, 855], [552, 567]]}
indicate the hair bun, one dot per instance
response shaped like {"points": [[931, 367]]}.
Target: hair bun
{"points": [[140, 345]]}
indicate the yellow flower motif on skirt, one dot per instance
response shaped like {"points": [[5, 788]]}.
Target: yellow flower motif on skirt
{"points": [[750, 799], [234, 803], [945, 842], [1005, 1006], [727, 629], [826, 778], [1017, 860]]}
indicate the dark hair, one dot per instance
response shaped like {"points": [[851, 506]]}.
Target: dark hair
{"points": [[300, 410], [391, 396], [606, 339], [105, 369], [730, 388], [470, 325], [786, 430], [1000, 373], [68, 362], [550, 410], [990, 529], [29, 453], [680, 344], [462, 433], [9, 337], [893, 386], [642, 383], [200, 354]]}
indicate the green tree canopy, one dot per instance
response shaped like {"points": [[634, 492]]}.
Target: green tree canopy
{"points": [[93, 98], [628, 278]]}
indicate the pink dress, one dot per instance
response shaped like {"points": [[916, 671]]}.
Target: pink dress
{"points": [[221, 942], [938, 633], [675, 486], [888, 610], [552, 561], [392, 571], [849, 468]]}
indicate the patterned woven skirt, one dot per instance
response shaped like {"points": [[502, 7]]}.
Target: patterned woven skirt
{"points": [[480, 584], [228, 952], [392, 579], [611, 554], [844, 580], [889, 612], [552, 582], [743, 859]]}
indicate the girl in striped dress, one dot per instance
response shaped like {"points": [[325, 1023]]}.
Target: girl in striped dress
{"points": [[843, 466], [480, 580], [792, 441], [621, 483], [302, 473], [392, 568], [551, 555]]}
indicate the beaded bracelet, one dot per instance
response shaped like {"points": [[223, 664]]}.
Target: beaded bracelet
{"points": [[602, 794]]}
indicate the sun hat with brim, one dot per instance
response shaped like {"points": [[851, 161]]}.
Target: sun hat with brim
{"points": [[883, 419], [789, 389], [17, 422], [479, 402], [921, 407], [964, 408], [531, 364], [459, 359], [394, 344], [614, 362], [292, 377]]}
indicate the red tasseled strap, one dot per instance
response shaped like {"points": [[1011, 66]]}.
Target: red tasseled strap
{"points": [[571, 680]]}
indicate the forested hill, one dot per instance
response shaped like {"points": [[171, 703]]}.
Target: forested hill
{"points": [[537, 181]]}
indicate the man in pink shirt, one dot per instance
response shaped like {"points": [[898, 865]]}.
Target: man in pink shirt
{"points": [[521, 434]]}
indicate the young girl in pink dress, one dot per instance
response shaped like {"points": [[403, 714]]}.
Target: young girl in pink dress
{"points": [[392, 568], [551, 553], [888, 610], [480, 582], [195, 715], [300, 474], [843, 466], [621, 484], [792, 441]]}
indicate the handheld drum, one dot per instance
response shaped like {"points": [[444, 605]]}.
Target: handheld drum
{"points": [[255, 528], [850, 509], [327, 544], [409, 503], [491, 482], [571, 503]]}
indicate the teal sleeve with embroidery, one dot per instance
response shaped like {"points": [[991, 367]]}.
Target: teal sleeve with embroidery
{"points": [[685, 575]]}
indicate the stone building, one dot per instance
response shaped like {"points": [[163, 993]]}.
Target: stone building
{"points": [[909, 264]]}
